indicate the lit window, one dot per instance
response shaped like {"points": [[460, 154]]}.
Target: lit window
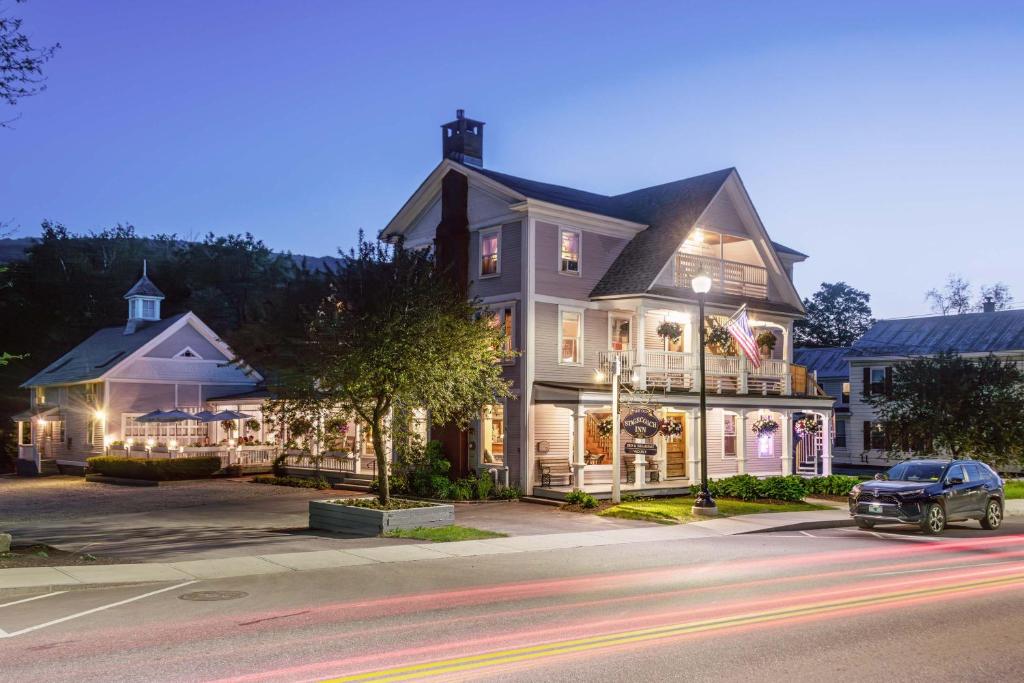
{"points": [[765, 446], [729, 436], [492, 435], [620, 334], [569, 241], [571, 338], [846, 392], [148, 308], [489, 246], [501, 319]]}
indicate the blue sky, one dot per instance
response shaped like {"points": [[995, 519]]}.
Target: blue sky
{"points": [[883, 139]]}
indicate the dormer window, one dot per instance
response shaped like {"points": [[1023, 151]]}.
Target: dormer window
{"points": [[148, 309], [569, 251]]}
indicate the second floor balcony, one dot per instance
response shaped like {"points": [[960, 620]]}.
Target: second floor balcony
{"points": [[727, 277]]}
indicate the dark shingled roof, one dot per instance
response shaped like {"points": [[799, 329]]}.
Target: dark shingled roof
{"points": [[827, 362], [98, 354], [144, 287], [967, 333]]}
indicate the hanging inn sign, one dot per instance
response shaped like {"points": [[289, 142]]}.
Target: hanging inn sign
{"points": [[641, 423]]}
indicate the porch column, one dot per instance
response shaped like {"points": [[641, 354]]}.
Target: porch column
{"points": [[826, 444], [692, 444], [639, 470], [787, 442], [741, 441], [579, 461], [641, 351], [741, 383]]}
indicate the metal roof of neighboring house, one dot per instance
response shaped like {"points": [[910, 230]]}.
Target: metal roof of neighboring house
{"points": [[998, 331], [144, 287], [669, 210], [99, 353], [260, 393], [827, 362]]}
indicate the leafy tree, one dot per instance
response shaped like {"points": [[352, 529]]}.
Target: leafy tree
{"points": [[396, 332], [21, 64], [955, 405], [954, 298], [837, 315]]}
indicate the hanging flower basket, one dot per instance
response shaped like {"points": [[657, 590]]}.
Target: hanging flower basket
{"points": [[670, 330], [718, 340], [765, 426], [337, 425], [808, 426], [227, 425], [670, 427], [766, 342], [253, 425], [605, 428]]}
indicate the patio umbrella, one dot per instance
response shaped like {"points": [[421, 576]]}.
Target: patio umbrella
{"points": [[150, 417], [175, 416], [206, 416], [232, 415]]}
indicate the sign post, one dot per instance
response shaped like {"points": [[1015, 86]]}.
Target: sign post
{"points": [[642, 424], [616, 458]]}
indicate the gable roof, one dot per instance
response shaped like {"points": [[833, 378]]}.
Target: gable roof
{"points": [[999, 331], [827, 362], [99, 353]]}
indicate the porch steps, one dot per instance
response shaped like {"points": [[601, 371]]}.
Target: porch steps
{"points": [[48, 467], [355, 482]]}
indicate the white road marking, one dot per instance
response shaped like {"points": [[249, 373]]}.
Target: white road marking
{"points": [[95, 609], [808, 533], [35, 597], [940, 569]]}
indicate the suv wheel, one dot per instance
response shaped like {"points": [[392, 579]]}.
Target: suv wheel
{"points": [[934, 519], [864, 523], [993, 515]]}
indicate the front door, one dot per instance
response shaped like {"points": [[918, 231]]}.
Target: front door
{"points": [[675, 453]]}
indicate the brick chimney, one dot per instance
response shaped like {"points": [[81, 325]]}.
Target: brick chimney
{"points": [[988, 305], [462, 140]]}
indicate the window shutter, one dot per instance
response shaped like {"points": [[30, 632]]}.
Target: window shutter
{"points": [[867, 381], [888, 381], [867, 435]]}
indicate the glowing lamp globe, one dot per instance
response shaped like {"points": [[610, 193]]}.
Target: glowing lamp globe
{"points": [[701, 283]]}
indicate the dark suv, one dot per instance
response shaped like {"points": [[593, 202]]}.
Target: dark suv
{"points": [[930, 493]]}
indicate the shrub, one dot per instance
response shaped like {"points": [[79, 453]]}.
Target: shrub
{"points": [[484, 486], [788, 488], [508, 493], [277, 467], [741, 486], [297, 482], [832, 485], [461, 489], [154, 469], [581, 498]]}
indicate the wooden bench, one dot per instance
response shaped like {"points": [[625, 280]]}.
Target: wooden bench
{"points": [[554, 467]]}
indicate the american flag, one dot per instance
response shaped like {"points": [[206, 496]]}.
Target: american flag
{"points": [[739, 327]]}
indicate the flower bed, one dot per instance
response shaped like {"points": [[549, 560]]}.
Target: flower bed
{"points": [[366, 516]]}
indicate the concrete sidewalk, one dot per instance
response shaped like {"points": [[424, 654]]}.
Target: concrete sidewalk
{"points": [[62, 578]]}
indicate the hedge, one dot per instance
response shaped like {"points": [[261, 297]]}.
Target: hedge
{"points": [[153, 469], [788, 488]]}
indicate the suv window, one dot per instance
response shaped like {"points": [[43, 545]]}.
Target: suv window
{"points": [[976, 472], [915, 471], [957, 471]]}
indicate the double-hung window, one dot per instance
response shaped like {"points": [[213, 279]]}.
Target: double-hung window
{"points": [[620, 333], [729, 436], [490, 247], [501, 318], [569, 251], [840, 440], [570, 336]]}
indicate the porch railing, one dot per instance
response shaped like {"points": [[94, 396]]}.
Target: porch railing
{"points": [[677, 370], [727, 277]]}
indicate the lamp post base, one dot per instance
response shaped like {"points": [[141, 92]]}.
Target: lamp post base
{"points": [[704, 511]]}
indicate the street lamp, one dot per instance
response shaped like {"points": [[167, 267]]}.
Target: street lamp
{"points": [[616, 373], [703, 504]]}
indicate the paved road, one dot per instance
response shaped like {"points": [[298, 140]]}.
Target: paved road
{"points": [[839, 604]]}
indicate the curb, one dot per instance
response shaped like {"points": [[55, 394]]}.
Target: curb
{"points": [[803, 526]]}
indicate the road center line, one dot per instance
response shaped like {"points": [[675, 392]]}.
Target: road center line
{"points": [[95, 609], [34, 597], [939, 569]]}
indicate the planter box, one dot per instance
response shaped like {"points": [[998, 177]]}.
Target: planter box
{"points": [[330, 516]]}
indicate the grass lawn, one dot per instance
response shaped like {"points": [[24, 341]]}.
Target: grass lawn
{"points": [[677, 510], [443, 534], [1015, 489]]}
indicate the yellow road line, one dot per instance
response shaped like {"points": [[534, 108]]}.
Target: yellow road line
{"points": [[526, 653]]}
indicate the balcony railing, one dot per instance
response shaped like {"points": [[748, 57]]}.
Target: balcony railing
{"points": [[675, 370], [727, 277]]}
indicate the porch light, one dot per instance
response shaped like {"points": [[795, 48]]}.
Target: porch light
{"points": [[129, 443], [231, 442], [109, 439], [701, 283], [599, 376], [149, 443], [41, 422], [173, 443], [100, 415], [698, 235]]}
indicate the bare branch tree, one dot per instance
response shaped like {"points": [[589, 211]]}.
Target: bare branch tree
{"points": [[21, 64]]}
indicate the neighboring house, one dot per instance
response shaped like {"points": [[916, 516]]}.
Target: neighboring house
{"points": [[889, 342], [578, 279], [831, 369], [90, 396]]}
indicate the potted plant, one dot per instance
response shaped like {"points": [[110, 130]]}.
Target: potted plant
{"points": [[252, 424], [808, 426], [227, 425], [670, 330], [765, 425], [670, 427], [717, 339], [366, 516], [766, 342]]}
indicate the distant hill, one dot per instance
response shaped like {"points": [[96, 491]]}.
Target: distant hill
{"points": [[15, 249]]}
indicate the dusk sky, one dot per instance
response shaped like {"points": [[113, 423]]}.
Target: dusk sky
{"points": [[883, 139]]}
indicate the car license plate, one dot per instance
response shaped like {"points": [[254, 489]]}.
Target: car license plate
{"points": [[875, 509]]}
